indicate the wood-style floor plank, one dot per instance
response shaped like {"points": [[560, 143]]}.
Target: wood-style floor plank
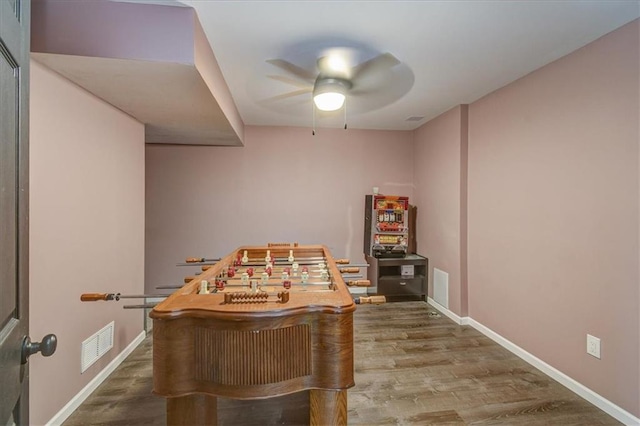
{"points": [[413, 367]]}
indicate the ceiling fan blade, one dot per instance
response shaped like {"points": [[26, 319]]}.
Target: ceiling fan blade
{"points": [[289, 80], [293, 69], [287, 95], [381, 62]]}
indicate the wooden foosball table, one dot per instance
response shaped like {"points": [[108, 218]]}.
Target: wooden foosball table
{"points": [[261, 322]]}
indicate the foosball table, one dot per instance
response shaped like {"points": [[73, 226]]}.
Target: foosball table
{"points": [[261, 322]]}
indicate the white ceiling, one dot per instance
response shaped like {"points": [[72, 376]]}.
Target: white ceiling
{"points": [[457, 51]]}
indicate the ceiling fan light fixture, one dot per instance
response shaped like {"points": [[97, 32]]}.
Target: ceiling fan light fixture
{"points": [[329, 101], [329, 93]]}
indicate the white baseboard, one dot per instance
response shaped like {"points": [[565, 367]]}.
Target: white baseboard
{"points": [[75, 402], [602, 403], [454, 317]]}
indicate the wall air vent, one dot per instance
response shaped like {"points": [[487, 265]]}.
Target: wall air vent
{"points": [[97, 345], [441, 287]]}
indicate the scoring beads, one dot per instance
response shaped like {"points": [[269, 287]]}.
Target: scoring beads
{"points": [[259, 297]]}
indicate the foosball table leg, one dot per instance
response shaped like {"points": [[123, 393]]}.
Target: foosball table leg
{"points": [[327, 407], [196, 409]]}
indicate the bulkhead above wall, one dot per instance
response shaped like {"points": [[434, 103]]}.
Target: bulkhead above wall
{"points": [[152, 61]]}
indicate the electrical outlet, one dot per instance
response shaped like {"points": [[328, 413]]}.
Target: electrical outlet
{"points": [[593, 346]]}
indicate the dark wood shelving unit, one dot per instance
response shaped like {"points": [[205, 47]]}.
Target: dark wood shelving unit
{"points": [[387, 277]]}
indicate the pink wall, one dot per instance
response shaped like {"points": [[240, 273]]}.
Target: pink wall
{"points": [[284, 185], [86, 231], [116, 33], [440, 147], [553, 214]]}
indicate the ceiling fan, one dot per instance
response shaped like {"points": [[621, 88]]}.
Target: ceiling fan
{"points": [[336, 77]]}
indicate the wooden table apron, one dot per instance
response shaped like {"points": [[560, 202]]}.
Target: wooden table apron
{"points": [[201, 354]]}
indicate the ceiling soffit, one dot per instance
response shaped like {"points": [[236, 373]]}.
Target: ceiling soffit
{"points": [[151, 61]]}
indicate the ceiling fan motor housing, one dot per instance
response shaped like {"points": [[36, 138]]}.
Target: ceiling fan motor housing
{"points": [[330, 84]]}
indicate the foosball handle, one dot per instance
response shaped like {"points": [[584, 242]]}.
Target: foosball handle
{"points": [[342, 261], [359, 283], [353, 270], [94, 297], [189, 279], [206, 267], [194, 259], [374, 300]]}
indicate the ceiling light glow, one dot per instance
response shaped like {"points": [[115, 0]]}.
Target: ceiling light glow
{"points": [[329, 101], [337, 63], [329, 93]]}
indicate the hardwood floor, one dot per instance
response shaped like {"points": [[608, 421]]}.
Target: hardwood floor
{"points": [[413, 367]]}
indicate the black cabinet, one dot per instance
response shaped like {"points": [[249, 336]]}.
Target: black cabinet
{"points": [[398, 278]]}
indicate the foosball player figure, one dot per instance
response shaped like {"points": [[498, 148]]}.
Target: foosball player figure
{"points": [[219, 284]]}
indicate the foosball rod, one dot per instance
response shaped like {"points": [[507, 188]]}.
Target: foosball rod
{"points": [[198, 273], [376, 300], [350, 283], [315, 259], [300, 260], [238, 283], [94, 297], [200, 260], [340, 261], [373, 300], [354, 265], [145, 306], [211, 262], [169, 287], [279, 263], [190, 278]]}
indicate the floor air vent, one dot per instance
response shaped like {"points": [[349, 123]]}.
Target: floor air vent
{"points": [[96, 346]]}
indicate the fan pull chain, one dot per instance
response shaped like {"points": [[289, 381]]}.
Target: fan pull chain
{"points": [[345, 114], [313, 119]]}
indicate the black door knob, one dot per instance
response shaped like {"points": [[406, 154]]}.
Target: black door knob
{"points": [[47, 347]]}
